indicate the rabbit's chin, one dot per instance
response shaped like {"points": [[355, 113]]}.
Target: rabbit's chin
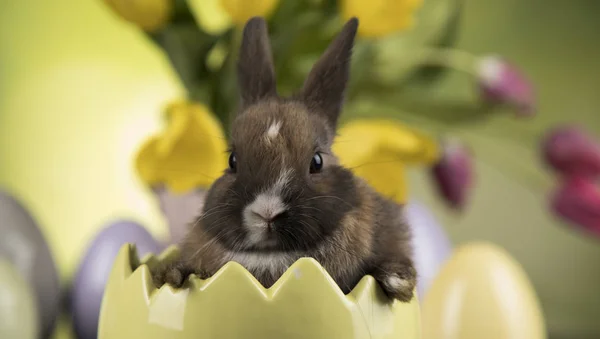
{"points": [[267, 244], [265, 265]]}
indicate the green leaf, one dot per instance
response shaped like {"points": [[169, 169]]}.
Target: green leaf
{"points": [[186, 47], [427, 74], [395, 62]]}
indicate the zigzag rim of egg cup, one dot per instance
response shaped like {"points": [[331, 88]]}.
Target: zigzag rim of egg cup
{"points": [[304, 303]]}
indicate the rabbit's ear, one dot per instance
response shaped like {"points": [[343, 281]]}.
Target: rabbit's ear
{"points": [[325, 85], [256, 74]]}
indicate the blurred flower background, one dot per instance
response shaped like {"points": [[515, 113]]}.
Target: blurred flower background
{"points": [[487, 109]]}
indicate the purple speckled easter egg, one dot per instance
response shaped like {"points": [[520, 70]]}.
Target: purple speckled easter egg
{"points": [[94, 270], [24, 246]]}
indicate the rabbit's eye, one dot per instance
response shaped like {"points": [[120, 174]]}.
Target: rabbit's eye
{"points": [[232, 162], [317, 163]]}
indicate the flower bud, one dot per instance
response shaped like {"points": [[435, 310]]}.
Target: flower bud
{"points": [[501, 82], [578, 202], [571, 151], [453, 174]]}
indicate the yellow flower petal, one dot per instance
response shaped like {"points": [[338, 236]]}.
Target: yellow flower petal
{"points": [[378, 151], [242, 10], [149, 15], [180, 122], [190, 153], [210, 16], [381, 17]]}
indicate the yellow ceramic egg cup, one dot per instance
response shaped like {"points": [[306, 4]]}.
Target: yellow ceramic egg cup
{"points": [[304, 303]]}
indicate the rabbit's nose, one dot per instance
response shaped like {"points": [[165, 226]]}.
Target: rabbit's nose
{"points": [[268, 214], [266, 207]]}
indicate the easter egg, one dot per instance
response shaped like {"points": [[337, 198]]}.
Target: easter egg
{"points": [[94, 269], [18, 313], [24, 246], [431, 244], [482, 292], [74, 169], [304, 303]]}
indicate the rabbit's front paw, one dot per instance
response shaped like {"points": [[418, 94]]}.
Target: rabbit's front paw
{"points": [[174, 275], [398, 284]]}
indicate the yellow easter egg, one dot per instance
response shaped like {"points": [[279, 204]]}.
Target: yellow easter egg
{"points": [[73, 120], [482, 292]]}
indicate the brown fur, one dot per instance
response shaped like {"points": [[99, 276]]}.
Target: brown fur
{"points": [[330, 215]]}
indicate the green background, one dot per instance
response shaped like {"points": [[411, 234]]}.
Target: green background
{"points": [[80, 90], [556, 42]]}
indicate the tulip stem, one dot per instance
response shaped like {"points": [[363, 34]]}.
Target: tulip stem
{"points": [[450, 58]]}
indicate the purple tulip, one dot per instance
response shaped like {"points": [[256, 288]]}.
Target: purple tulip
{"points": [[502, 82], [453, 174], [578, 201], [571, 151]]}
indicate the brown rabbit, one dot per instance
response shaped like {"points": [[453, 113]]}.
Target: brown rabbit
{"points": [[284, 195]]}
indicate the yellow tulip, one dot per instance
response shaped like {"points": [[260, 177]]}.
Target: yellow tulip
{"points": [[149, 15], [379, 150], [210, 16], [242, 10], [216, 16], [381, 17], [190, 153]]}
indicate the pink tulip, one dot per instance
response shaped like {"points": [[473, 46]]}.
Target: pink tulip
{"points": [[502, 82], [578, 201], [453, 174], [571, 151]]}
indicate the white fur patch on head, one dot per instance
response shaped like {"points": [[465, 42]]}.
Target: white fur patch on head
{"points": [[265, 206], [282, 181], [273, 130]]}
